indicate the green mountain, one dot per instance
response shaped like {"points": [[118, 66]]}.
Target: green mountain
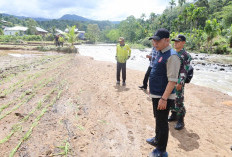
{"points": [[74, 18]]}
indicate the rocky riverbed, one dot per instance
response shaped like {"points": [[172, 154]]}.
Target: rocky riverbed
{"points": [[212, 71], [213, 63]]}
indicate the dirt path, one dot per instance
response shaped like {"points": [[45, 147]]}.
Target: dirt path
{"points": [[69, 104]]}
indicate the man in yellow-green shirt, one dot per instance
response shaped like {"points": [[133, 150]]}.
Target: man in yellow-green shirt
{"points": [[61, 40], [123, 53]]}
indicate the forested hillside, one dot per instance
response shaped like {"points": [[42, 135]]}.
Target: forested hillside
{"points": [[207, 24]]}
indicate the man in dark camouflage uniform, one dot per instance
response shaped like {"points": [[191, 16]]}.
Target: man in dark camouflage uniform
{"points": [[178, 111]]}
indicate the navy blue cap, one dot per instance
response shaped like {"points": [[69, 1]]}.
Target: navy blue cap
{"points": [[180, 37], [160, 34]]}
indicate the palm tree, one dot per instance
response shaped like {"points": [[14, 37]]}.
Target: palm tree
{"points": [[181, 2], [197, 14], [172, 3], [71, 36], [143, 16], [202, 3], [142, 19], [190, 17], [212, 28], [53, 30], [152, 16], [179, 22], [1, 32], [151, 21], [230, 39]]}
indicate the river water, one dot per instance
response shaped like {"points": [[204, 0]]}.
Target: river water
{"points": [[216, 76]]}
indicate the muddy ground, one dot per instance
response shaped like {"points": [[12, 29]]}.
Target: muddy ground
{"points": [[68, 105]]}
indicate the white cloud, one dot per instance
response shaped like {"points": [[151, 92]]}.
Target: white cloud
{"points": [[92, 9], [120, 9]]}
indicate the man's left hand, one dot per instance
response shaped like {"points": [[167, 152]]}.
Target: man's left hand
{"points": [[178, 87]]}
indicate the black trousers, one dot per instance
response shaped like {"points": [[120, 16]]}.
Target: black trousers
{"points": [[121, 66], [162, 129], [146, 77]]}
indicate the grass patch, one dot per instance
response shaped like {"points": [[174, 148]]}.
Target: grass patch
{"points": [[34, 124], [65, 49], [65, 149], [14, 129], [80, 127], [6, 76], [103, 121], [222, 59], [20, 84], [42, 84], [137, 46]]}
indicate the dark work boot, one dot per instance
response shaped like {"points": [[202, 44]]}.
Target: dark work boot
{"points": [[157, 153], [180, 123], [173, 117], [152, 141], [143, 87]]}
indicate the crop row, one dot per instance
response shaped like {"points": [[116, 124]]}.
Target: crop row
{"points": [[8, 75], [35, 123], [23, 81], [18, 126]]}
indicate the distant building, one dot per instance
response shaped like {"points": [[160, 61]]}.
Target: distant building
{"points": [[66, 30], [4, 22], [15, 30], [40, 31], [81, 35], [22, 30], [58, 32]]}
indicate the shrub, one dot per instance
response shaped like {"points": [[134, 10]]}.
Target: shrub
{"points": [[58, 49], [221, 49], [145, 42], [32, 37], [43, 48], [67, 49], [49, 37], [216, 43], [137, 46], [9, 38], [15, 39], [230, 40], [203, 51]]}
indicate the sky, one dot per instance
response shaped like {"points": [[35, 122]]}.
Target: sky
{"points": [[113, 10]]}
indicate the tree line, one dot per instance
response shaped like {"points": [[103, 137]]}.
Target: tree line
{"points": [[207, 24]]}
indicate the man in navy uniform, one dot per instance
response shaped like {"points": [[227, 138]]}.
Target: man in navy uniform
{"points": [[163, 78]]}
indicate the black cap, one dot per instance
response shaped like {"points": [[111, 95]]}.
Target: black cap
{"points": [[180, 37], [160, 34]]}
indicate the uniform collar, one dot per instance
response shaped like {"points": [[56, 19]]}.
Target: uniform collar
{"points": [[166, 48], [181, 51]]}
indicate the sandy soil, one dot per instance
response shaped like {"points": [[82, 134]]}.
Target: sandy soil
{"points": [[70, 104]]}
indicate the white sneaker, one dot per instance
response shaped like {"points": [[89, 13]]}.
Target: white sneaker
{"points": [[118, 83], [124, 83]]}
